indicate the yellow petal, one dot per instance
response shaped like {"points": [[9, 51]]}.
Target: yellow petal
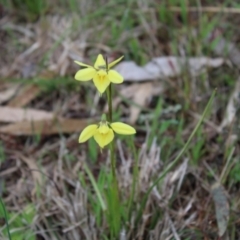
{"points": [[101, 83], [82, 64], [104, 139], [114, 77], [100, 62], [85, 74], [115, 62], [87, 133], [122, 128]]}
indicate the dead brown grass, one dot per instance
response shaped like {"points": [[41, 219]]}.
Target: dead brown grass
{"points": [[44, 170]]}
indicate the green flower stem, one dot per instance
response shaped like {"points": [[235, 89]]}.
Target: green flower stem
{"points": [[112, 157], [114, 184], [109, 98], [113, 162]]}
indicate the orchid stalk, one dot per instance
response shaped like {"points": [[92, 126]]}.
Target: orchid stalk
{"points": [[104, 131]]}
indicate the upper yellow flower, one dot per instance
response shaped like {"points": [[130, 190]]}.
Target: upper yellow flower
{"points": [[101, 73], [103, 132]]}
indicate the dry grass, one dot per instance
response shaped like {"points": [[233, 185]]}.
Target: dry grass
{"points": [[43, 182]]}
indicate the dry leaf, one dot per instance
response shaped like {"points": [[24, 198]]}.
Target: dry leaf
{"points": [[140, 93], [8, 93], [9, 114], [224, 46], [35, 171], [221, 208], [163, 67], [127, 92], [25, 95], [232, 106], [44, 127], [141, 96]]}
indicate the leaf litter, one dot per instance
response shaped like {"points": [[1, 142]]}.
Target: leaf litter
{"points": [[183, 206], [166, 67], [24, 96], [11, 114], [221, 208], [45, 127]]}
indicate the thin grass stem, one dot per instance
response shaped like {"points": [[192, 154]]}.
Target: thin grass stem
{"points": [[175, 161], [100, 198], [5, 216]]}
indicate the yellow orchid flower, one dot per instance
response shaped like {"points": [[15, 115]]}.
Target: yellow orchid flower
{"points": [[101, 73], [103, 133]]}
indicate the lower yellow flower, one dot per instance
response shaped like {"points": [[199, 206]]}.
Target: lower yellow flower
{"points": [[103, 133]]}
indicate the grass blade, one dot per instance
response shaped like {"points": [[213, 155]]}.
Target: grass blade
{"points": [[175, 161]]}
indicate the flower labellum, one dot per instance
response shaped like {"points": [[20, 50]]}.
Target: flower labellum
{"points": [[103, 133], [101, 73]]}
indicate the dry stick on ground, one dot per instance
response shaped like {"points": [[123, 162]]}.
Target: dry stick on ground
{"points": [[207, 9]]}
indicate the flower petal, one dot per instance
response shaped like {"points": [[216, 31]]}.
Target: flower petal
{"points": [[104, 139], [87, 133], [122, 128], [101, 84], [115, 77], [85, 74], [115, 62], [82, 64], [100, 62]]}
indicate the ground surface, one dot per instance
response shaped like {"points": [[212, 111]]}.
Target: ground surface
{"points": [[45, 175]]}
